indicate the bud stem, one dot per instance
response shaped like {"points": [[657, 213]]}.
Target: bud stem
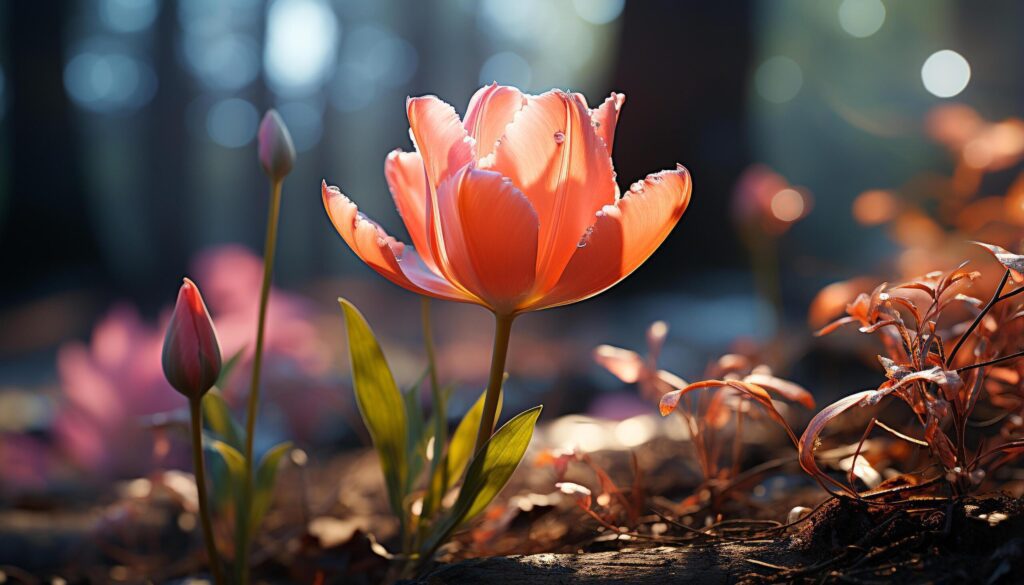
{"points": [[269, 248], [200, 474]]}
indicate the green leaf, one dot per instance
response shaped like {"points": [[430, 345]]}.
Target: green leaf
{"points": [[464, 439], [217, 416], [380, 403], [231, 456], [263, 490], [487, 474], [229, 367], [416, 439], [220, 479], [438, 482], [234, 462]]}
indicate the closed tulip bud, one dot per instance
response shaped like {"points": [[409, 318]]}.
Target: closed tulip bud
{"points": [[277, 153], [191, 356]]}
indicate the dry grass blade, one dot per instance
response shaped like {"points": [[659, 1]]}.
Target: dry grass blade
{"points": [[809, 440]]}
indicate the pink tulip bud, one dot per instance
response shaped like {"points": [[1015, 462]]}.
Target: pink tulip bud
{"points": [[277, 153], [191, 356]]}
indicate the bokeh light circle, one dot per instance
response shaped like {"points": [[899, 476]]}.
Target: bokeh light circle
{"points": [[599, 11], [945, 73], [107, 80], [778, 79], [302, 39], [232, 122], [128, 16], [861, 18]]}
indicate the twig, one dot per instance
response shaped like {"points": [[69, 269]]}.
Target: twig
{"points": [[991, 361], [988, 307], [767, 565]]}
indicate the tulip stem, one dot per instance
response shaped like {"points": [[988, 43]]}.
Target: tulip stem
{"points": [[440, 410], [204, 507], [502, 333], [428, 342], [269, 248]]}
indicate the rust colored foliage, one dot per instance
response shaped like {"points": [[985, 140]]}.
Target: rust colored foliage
{"points": [[732, 383], [940, 366], [612, 506]]}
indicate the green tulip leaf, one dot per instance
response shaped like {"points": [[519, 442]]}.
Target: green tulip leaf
{"points": [[229, 368], [464, 439], [218, 419], [416, 439], [380, 403], [234, 462], [487, 474], [438, 482], [263, 490]]}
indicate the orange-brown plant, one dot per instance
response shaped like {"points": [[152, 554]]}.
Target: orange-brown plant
{"points": [[940, 367], [731, 384]]}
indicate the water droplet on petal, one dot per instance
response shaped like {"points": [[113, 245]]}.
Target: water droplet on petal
{"points": [[637, 187], [559, 137], [586, 238], [655, 178], [597, 124]]}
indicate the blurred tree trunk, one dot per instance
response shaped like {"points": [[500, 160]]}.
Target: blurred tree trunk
{"points": [[44, 230]]}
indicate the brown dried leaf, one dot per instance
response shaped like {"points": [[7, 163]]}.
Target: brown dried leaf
{"points": [[809, 440], [1012, 262], [580, 493], [670, 401], [788, 390], [939, 442], [948, 380], [626, 365]]}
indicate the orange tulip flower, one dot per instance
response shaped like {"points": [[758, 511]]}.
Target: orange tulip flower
{"points": [[515, 207]]}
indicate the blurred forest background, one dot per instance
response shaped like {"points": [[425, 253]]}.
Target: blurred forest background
{"points": [[127, 160]]}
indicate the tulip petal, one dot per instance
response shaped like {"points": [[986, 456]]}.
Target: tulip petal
{"points": [[390, 258], [490, 110], [622, 238], [490, 232], [440, 138], [553, 154], [407, 181], [191, 354], [606, 117]]}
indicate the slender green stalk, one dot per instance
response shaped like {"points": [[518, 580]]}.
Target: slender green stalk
{"points": [[502, 333], [439, 414], [428, 341], [269, 248], [204, 506]]}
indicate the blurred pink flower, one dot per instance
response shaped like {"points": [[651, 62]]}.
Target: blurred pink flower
{"points": [[296, 360], [231, 277], [115, 383], [110, 386]]}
